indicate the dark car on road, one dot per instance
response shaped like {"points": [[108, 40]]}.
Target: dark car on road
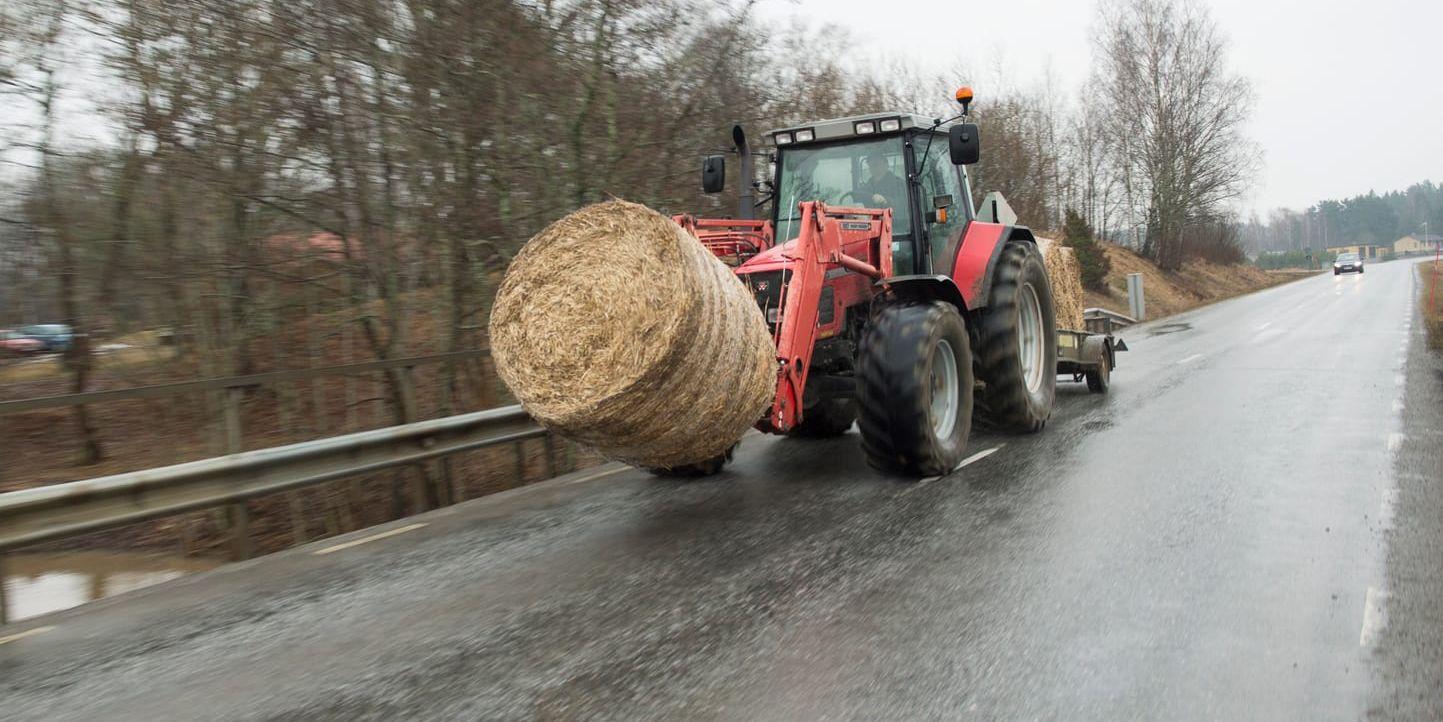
{"points": [[56, 337], [1347, 263]]}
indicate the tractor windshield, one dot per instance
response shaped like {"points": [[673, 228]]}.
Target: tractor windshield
{"points": [[869, 174]]}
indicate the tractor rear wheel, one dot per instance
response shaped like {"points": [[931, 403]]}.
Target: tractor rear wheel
{"points": [[914, 385], [827, 418], [1017, 344]]}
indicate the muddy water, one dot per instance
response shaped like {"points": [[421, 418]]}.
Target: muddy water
{"points": [[36, 584]]}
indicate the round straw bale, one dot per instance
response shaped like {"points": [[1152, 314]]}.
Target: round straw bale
{"points": [[617, 329], [1066, 279]]}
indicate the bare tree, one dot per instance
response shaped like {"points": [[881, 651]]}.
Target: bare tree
{"points": [[1173, 116]]}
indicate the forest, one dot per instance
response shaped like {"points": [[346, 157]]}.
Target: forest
{"points": [[1369, 219]]}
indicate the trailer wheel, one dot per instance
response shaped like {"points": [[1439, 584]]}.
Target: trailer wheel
{"points": [[914, 386], [1099, 378], [696, 470], [828, 418], [1017, 344]]}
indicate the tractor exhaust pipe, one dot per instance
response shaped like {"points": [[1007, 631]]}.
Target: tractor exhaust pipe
{"points": [[746, 196]]}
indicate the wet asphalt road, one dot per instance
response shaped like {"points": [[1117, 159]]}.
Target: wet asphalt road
{"points": [[1199, 544]]}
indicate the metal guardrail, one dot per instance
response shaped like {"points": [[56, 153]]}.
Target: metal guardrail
{"points": [[222, 383], [1113, 317], [52, 512], [70, 509]]}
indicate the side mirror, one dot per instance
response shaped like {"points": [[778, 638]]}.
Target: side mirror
{"points": [[964, 144], [714, 174]]}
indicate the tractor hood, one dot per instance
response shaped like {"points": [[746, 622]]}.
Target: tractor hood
{"points": [[771, 259]]}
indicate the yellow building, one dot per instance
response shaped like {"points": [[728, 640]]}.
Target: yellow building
{"points": [[1364, 250], [1420, 243]]}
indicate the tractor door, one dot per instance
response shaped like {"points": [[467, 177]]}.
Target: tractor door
{"points": [[944, 205]]}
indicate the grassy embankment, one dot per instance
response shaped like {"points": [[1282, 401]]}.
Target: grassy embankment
{"points": [[1198, 283], [1431, 301]]}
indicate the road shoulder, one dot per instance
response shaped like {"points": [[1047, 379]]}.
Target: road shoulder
{"points": [[1409, 655]]}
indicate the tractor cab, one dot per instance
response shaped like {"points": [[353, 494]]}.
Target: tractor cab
{"points": [[880, 160]]}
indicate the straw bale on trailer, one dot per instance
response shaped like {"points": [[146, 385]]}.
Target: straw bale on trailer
{"points": [[616, 328], [1066, 278]]}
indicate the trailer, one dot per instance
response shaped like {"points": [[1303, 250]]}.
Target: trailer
{"points": [[1090, 355]]}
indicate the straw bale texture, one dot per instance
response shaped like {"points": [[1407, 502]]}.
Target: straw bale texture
{"points": [[1068, 297], [616, 328]]}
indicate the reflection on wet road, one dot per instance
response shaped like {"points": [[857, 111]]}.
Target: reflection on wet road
{"points": [[37, 584]]}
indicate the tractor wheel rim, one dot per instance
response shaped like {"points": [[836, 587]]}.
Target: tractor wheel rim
{"points": [[944, 390], [1031, 346]]}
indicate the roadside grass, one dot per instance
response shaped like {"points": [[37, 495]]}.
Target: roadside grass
{"points": [[1432, 302]]}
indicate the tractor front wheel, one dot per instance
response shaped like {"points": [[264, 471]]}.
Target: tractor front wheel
{"points": [[827, 418], [914, 384], [1017, 344]]}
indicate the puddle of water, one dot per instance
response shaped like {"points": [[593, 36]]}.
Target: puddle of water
{"points": [[37, 584]]}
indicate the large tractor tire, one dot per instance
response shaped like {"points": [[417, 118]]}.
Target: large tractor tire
{"points": [[1016, 355], [914, 385], [827, 418]]}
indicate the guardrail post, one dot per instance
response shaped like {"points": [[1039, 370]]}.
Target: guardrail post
{"points": [[239, 518], [550, 456], [1135, 302], [4, 594], [232, 420]]}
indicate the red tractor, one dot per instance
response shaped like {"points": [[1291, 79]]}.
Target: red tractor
{"points": [[892, 301]]}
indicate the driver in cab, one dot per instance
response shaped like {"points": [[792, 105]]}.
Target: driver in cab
{"points": [[882, 188]]}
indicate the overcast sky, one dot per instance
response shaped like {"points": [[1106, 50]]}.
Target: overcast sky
{"points": [[1349, 94]]}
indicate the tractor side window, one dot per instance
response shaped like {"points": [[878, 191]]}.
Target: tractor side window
{"points": [[940, 179]]}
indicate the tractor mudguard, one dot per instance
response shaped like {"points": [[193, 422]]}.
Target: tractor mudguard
{"points": [[972, 258], [925, 287]]}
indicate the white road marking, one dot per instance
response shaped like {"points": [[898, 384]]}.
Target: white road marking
{"points": [[977, 457], [21, 635], [969, 460], [1395, 441], [1397, 406], [1385, 508], [598, 475], [1265, 326], [373, 537], [1190, 359], [1398, 379], [1374, 617]]}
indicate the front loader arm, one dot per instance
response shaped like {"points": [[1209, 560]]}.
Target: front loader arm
{"points": [[830, 239]]}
